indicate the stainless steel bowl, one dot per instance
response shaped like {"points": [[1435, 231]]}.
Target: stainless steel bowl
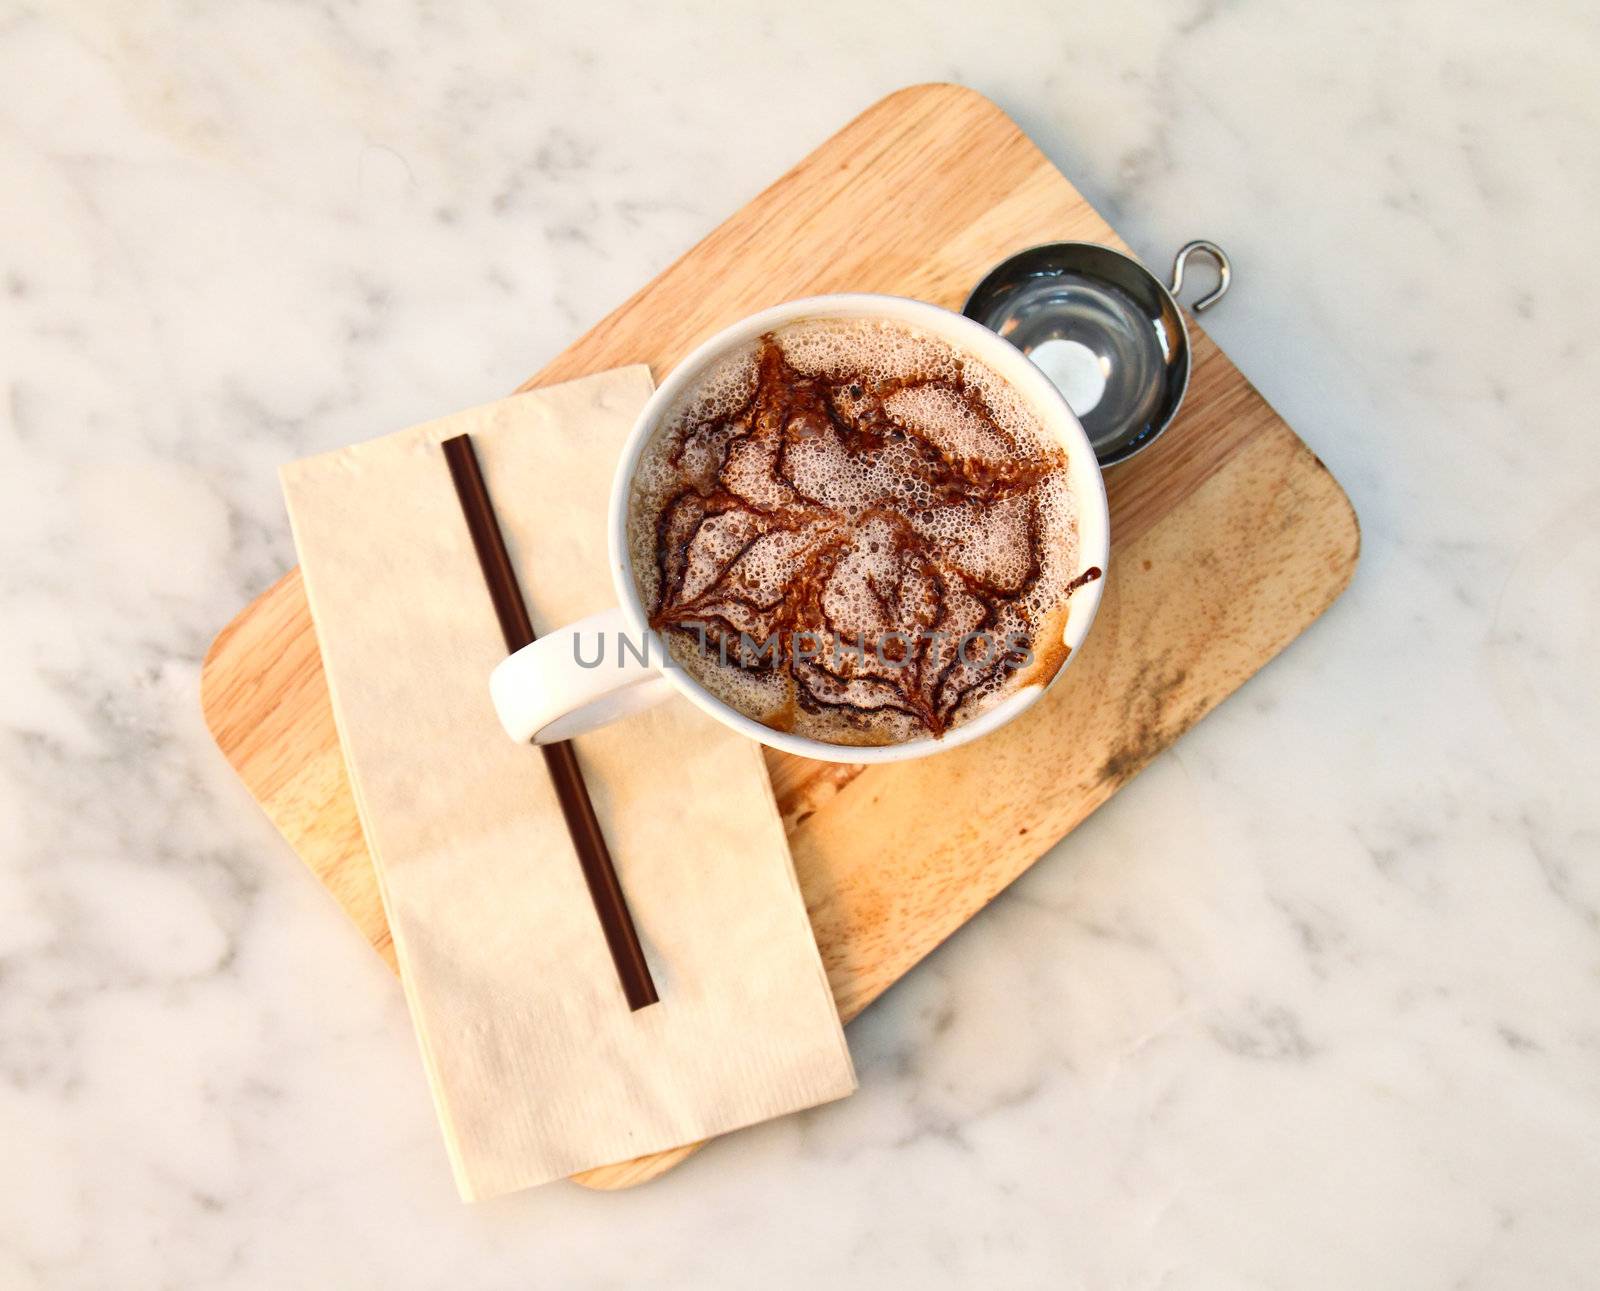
{"points": [[1105, 331]]}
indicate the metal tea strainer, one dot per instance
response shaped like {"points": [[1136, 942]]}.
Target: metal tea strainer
{"points": [[1105, 331]]}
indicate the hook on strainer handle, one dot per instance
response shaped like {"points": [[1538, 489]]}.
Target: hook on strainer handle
{"points": [[1224, 271]]}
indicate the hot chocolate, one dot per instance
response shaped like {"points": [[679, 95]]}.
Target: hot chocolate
{"points": [[853, 531]]}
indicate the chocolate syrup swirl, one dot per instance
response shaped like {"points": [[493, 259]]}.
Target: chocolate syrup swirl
{"points": [[884, 550]]}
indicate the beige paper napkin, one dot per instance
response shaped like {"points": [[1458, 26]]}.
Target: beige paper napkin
{"points": [[537, 1067]]}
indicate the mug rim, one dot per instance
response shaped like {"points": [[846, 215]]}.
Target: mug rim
{"points": [[1087, 482]]}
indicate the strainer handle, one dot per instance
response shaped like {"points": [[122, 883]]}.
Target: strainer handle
{"points": [[1224, 271]]}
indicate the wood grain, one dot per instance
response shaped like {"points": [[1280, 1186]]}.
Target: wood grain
{"points": [[1229, 537]]}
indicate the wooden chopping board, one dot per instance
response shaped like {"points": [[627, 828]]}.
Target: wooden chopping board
{"points": [[1228, 538]]}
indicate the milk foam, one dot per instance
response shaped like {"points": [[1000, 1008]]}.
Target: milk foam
{"points": [[878, 483]]}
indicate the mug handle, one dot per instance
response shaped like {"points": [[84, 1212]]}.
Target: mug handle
{"points": [[547, 693]]}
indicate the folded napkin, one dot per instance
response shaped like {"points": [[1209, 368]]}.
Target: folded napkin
{"points": [[537, 1067]]}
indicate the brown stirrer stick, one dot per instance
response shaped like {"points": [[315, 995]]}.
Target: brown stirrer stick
{"points": [[512, 611]]}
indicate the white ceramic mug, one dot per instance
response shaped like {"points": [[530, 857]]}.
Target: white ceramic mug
{"points": [[545, 693]]}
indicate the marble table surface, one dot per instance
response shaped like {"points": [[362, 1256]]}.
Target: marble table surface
{"points": [[1314, 1002]]}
